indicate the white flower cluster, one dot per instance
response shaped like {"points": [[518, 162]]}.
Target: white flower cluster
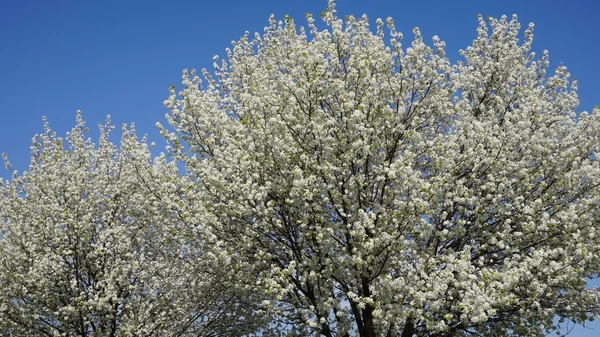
{"points": [[372, 189], [336, 183], [92, 244]]}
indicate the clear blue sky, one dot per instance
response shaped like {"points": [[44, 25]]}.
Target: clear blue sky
{"points": [[119, 57]]}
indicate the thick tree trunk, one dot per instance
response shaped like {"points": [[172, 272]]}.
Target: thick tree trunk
{"points": [[368, 328], [409, 328]]}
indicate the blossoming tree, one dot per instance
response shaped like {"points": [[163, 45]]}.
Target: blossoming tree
{"points": [[366, 188], [336, 183], [89, 247]]}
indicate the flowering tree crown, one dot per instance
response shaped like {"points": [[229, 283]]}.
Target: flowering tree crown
{"points": [[367, 188]]}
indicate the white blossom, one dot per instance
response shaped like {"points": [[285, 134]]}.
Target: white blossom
{"points": [[371, 188], [94, 242]]}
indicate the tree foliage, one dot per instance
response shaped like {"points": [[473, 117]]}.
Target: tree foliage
{"points": [[371, 189], [336, 183], [89, 247]]}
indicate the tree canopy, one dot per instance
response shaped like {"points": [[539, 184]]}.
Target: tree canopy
{"points": [[89, 247], [336, 183]]}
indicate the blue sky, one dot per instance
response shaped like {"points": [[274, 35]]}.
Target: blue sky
{"points": [[120, 57]]}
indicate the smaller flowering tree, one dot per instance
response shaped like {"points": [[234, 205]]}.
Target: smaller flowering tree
{"points": [[92, 245]]}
